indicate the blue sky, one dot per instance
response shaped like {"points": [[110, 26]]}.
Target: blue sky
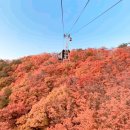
{"points": [[30, 27]]}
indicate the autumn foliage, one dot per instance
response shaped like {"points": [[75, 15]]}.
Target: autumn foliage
{"points": [[89, 91]]}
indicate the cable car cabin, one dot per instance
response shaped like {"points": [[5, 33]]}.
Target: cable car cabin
{"points": [[63, 55]]}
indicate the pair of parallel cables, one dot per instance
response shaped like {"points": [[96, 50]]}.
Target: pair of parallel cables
{"points": [[84, 26]]}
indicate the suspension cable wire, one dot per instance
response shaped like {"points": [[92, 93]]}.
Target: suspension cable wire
{"points": [[62, 22], [62, 13], [98, 16], [79, 15]]}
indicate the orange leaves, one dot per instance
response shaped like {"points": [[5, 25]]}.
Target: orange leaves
{"points": [[90, 91], [81, 55]]}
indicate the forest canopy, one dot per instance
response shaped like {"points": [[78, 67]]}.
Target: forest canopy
{"points": [[89, 91]]}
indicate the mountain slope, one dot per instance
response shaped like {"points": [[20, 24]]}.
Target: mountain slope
{"points": [[90, 91]]}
